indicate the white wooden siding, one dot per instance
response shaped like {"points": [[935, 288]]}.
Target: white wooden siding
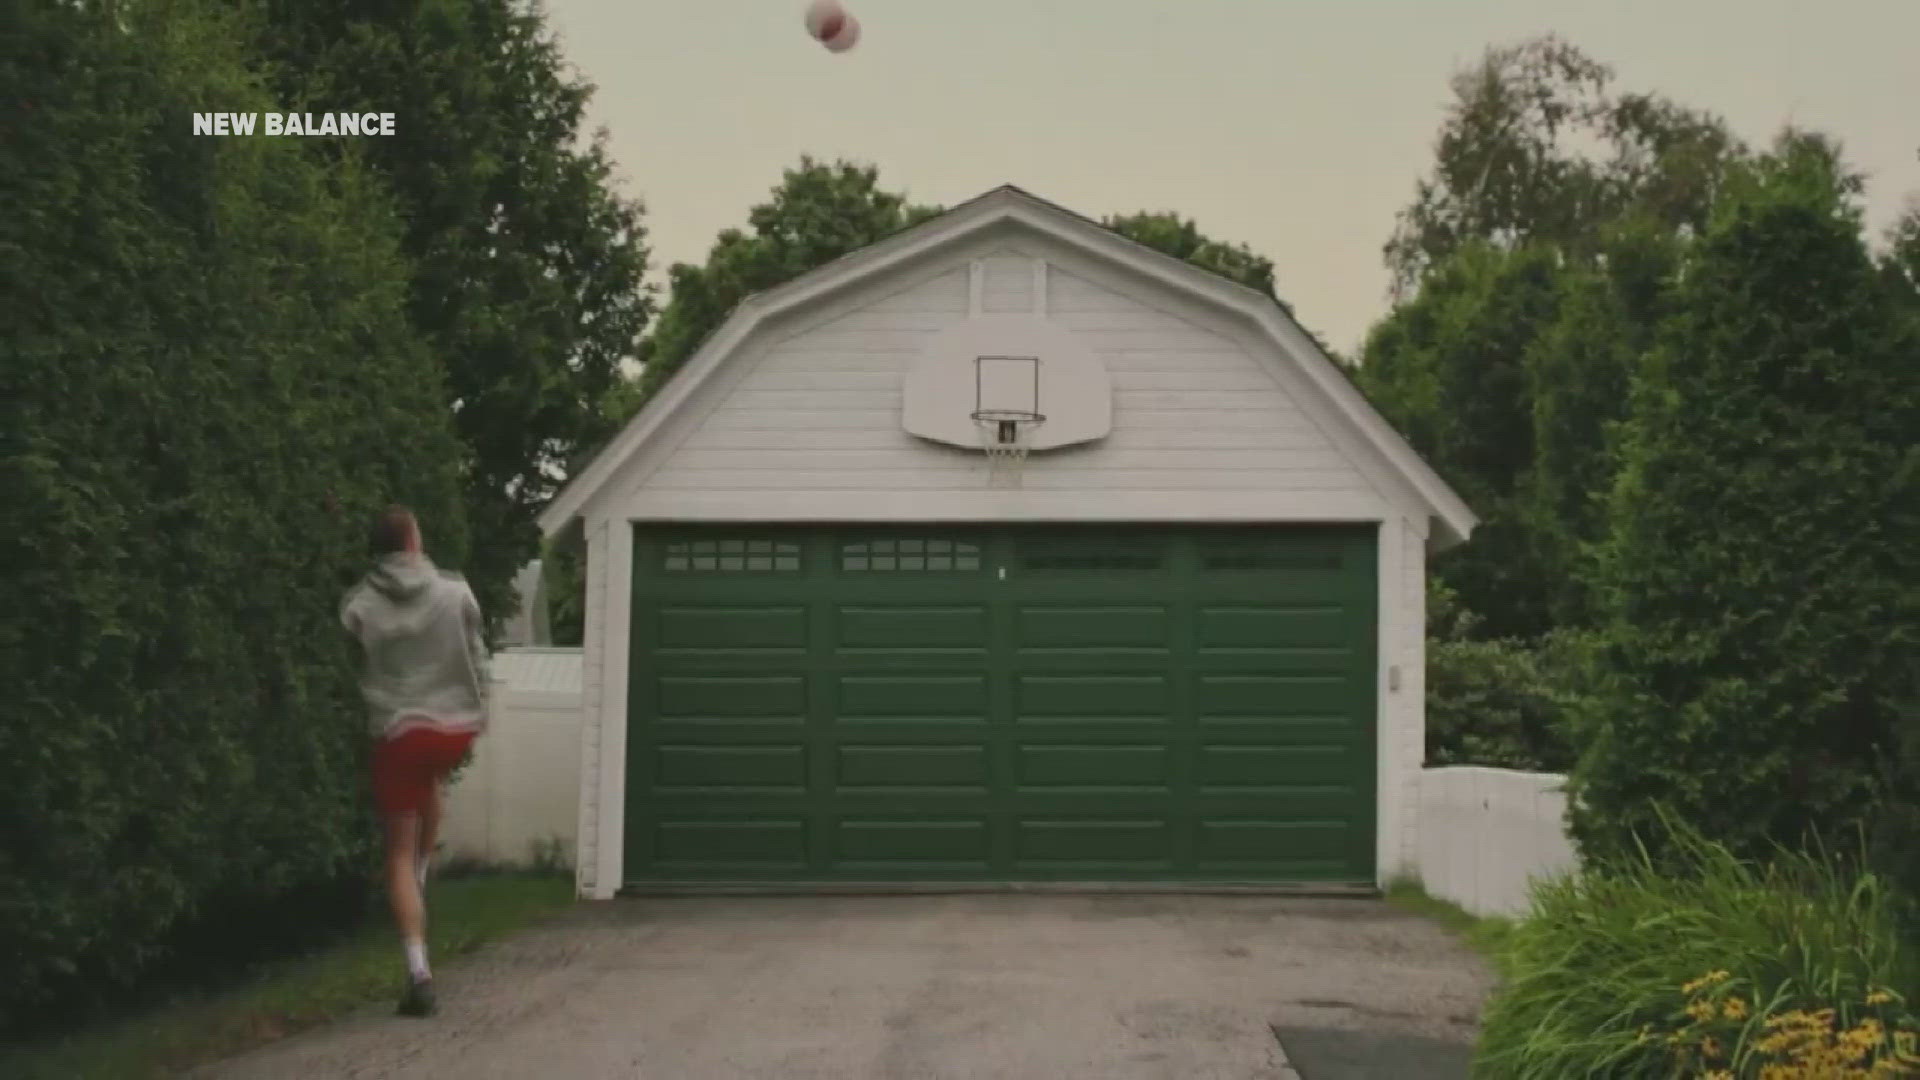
{"points": [[1006, 284], [819, 411]]}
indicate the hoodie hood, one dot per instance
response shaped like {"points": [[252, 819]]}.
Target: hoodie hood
{"points": [[402, 577]]}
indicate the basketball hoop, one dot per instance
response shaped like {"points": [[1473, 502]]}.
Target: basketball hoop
{"points": [[1003, 436]]}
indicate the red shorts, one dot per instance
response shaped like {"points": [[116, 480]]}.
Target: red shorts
{"points": [[408, 766]]}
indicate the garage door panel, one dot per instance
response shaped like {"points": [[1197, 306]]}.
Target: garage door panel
{"points": [[1274, 841], [1133, 844], [1083, 627], [911, 628], [681, 666], [894, 845], [731, 629], [1091, 696], [1253, 766], [772, 769], [1147, 767], [1272, 695], [912, 767], [1272, 626], [1306, 729], [731, 843], [725, 696], [1340, 663], [1330, 798], [906, 695], [722, 731]]}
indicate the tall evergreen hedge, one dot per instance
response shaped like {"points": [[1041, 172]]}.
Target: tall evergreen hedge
{"points": [[1758, 577], [209, 384]]}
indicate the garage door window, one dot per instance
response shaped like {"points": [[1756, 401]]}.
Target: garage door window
{"points": [[1255, 555], [731, 556], [902, 554], [1082, 555]]}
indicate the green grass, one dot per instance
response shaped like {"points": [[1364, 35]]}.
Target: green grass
{"points": [[293, 995], [1486, 935]]}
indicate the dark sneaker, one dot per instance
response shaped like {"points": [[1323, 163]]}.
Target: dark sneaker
{"points": [[417, 999]]}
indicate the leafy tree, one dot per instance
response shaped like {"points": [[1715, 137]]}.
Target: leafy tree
{"points": [[528, 266], [818, 213], [1759, 565], [1579, 370], [1902, 259], [1550, 183], [1537, 147], [1170, 234], [1450, 369]]}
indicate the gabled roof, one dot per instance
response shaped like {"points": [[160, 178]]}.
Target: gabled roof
{"points": [[1002, 205]]}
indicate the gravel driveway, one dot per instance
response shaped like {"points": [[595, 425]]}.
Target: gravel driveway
{"points": [[998, 986]]}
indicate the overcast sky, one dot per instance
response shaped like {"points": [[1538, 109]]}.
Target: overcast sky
{"points": [[1295, 126]]}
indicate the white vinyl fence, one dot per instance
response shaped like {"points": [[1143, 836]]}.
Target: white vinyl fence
{"points": [[518, 801], [1484, 833]]}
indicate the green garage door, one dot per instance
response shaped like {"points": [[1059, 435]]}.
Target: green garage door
{"points": [[1111, 703]]}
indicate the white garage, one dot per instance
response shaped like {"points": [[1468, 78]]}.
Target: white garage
{"points": [[1004, 552]]}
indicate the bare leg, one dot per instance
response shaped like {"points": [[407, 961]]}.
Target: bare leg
{"points": [[430, 825], [403, 887]]}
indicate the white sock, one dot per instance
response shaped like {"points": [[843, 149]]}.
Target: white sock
{"points": [[420, 872], [417, 959]]}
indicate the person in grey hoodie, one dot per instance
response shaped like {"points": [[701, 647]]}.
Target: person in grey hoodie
{"points": [[425, 682]]}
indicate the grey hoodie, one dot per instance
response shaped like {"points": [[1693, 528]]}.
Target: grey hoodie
{"points": [[426, 662]]}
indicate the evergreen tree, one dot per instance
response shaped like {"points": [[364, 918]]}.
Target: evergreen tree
{"points": [[1758, 571]]}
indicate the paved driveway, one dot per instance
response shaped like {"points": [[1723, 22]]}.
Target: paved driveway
{"points": [[1048, 987]]}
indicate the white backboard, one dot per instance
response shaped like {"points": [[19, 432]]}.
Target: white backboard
{"points": [[984, 363]]}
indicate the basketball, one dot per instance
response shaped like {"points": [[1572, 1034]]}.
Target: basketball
{"points": [[832, 26]]}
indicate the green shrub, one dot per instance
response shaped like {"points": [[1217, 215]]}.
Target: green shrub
{"points": [[1610, 964], [1498, 702], [209, 385], [1757, 576]]}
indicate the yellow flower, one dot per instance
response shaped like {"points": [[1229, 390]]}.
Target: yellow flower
{"points": [[1717, 1074], [1701, 1011], [1879, 997], [1710, 1046], [1736, 1008], [1708, 979]]}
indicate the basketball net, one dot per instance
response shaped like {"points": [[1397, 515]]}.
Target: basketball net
{"points": [[1006, 461]]}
